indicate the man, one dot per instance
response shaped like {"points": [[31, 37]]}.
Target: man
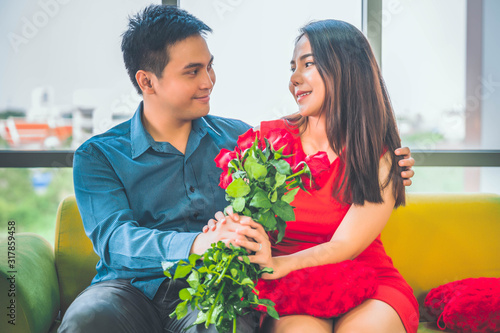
{"points": [[147, 187]]}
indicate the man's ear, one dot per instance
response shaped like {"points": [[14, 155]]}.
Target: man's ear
{"points": [[144, 80]]}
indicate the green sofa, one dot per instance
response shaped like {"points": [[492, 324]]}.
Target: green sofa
{"points": [[434, 239]]}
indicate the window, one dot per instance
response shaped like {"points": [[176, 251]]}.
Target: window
{"points": [[63, 80], [252, 42], [440, 63], [63, 77]]}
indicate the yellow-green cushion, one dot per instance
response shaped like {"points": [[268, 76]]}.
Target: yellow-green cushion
{"points": [[437, 239], [429, 328], [75, 257]]}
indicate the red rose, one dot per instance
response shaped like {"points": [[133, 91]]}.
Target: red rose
{"points": [[279, 138], [318, 163], [224, 157], [247, 139], [294, 161], [225, 179]]}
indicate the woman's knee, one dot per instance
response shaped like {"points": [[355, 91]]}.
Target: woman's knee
{"points": [[299, 324], [371, 316]]}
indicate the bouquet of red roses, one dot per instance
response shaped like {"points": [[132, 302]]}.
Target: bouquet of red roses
{"points": [[261, 177]]}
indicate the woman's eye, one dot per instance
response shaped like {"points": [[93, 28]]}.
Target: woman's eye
{"points": [[292, 69], [309, 63]]}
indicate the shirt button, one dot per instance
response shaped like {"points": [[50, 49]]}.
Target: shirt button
{"points": [[196, 215], [191, 188]]}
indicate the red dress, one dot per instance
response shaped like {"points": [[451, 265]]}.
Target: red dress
{"points": [[318, 216]]}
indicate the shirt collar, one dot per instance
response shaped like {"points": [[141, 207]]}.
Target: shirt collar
{"points": [[201, 126], [141, 140], [199, 130]]}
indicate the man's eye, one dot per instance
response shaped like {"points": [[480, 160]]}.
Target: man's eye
{"points": [[210, 66], [193, 72]]}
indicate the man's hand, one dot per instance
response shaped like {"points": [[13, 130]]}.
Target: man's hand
{"points": [[223, 229], [407, 163], [221, 218]]}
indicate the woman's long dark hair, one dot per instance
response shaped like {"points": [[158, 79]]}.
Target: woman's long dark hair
{"points": [[360, 122]]}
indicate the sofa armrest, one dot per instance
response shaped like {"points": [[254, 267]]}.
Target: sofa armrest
{"points": [[29, 289]]}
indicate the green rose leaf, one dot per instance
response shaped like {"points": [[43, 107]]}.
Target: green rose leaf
{"points": [[202, 317], [284, 210], [247, 212], [216, 313], [184, 294], [194, 279], [273, 196], [281, 229], [282, 167], [247, 281], [268, 221], [263, 157], [238, 188], [255, 170], [260, 200], [182, 271], [280, 179], [267, 270], [290, 195], [239, 204], [250, 159], [181, 310], [266, 302], [272, 312], [193, 258], [239, 174]]}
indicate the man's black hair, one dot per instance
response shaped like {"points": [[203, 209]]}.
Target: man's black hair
{"points": [[149, 35]]}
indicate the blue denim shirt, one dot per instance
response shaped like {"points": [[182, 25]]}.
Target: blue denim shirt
{"points": [[143, 202]]}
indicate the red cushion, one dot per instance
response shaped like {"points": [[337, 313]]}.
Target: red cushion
{"points": [[470, 305], [437, 298]]}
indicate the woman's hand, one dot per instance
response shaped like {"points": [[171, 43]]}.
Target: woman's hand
{"points": [[407, 163], [255, 241], [258, 242]]}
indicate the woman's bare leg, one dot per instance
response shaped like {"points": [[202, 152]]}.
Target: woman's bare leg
{"points": [[371, 316], [298, 324]]}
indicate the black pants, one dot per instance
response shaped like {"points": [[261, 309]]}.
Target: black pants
{"points": [[117, 306]]}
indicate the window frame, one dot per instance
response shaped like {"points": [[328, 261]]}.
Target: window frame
{"points": [[371, 17]]}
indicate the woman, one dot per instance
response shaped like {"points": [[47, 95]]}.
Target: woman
{"points": [[344, 110]]}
